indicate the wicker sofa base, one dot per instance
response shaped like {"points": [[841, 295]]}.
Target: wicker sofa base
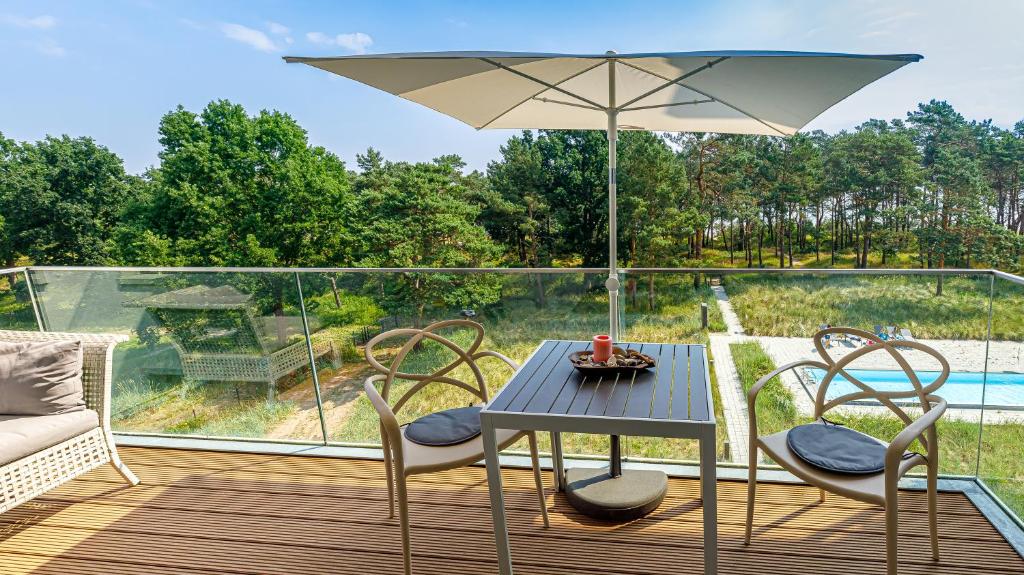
{"points": [[31, 476]]}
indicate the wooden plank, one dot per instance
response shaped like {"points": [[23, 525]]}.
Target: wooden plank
{"points": [[557, 379], [616, 404], [663, 384], [567, 395], [638, 405], [198, 513], [515, 385], [540, 364], [699, 400], [617, 389], [680, 403]]}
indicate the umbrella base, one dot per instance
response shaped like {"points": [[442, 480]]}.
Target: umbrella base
{"points": [[632, 495]]}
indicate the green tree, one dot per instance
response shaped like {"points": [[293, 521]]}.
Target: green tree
{"points": [[418, 215], [241, 190], [61, 198]]}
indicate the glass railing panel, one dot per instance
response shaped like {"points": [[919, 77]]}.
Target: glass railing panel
{"points": [[1000, 465], [666, 307], [16, 303], [779, 312], [213, 354], [517, 311]]}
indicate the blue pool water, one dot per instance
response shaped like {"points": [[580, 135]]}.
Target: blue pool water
{"points": [[1002, 390]]}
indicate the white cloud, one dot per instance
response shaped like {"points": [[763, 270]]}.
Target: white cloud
{"points": [[457, 22], [44, 22], [278, 29], [356, 42], [191, 24], [49, 47], [249, 36]]}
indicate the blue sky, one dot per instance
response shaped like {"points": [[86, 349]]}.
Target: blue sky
{"points": [[110, 69]]}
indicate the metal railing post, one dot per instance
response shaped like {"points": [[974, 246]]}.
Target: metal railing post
{"points": [[35, 302], [312, 359], [984, 376]]}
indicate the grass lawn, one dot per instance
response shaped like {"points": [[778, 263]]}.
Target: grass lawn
{"points": [[958, 440], [796, 305], [14, 313], [517, 326]]}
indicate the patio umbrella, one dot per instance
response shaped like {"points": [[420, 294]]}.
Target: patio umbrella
{"points": [[736, 92]]}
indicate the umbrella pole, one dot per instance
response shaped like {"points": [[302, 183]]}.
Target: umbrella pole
{"points": [[611, 494], [613, 275], [615, 457]]}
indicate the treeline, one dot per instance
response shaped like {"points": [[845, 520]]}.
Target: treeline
{"points": [[930, 190]]}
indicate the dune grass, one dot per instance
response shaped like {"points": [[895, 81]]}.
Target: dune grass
{"points": [[776, 408], [517, 326], [795, 306]]}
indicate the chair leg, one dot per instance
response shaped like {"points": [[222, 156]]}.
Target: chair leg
{"points": [[389, 471], [403, 519], [117, 464], [751, 493], [891, 533], [822, 495], [933, 497], [537, 477]]}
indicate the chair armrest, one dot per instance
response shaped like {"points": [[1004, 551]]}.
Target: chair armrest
{"points": [[388, 422], [502, 357], [899, 445], [756, 388]]}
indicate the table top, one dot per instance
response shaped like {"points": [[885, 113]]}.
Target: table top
{"points": [[676, 389]]}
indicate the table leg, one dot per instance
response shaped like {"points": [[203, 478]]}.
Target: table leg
{"points": [[497, 500], [557, 465], [709, 497]]}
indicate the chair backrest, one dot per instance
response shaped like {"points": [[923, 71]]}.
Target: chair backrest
{"points": [[467, 356], [838, 367]]}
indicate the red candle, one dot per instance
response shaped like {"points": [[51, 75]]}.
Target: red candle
{"points": [[602, 348]]}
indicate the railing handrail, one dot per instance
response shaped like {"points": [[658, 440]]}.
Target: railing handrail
{"points": [[515, 271], [222, 269]]}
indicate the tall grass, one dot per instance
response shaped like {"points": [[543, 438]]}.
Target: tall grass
{"points": [[795, 306], [517, 325], [776, 408]]}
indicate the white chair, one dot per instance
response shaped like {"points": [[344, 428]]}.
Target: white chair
{"points": [[879, 488], [403, 457]]}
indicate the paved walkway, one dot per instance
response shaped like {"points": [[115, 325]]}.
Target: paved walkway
{"points": [[734, 402], [732, 321]]}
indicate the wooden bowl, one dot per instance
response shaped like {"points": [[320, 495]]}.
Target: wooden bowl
{"points": [[580, 360]]}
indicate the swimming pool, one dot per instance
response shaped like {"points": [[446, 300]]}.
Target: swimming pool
{"points": [[963, 388]]}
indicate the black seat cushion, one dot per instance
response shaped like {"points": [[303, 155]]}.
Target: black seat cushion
{"points": [[448, 427], [836, 448]]}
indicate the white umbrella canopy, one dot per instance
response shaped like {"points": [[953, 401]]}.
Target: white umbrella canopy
{"points": [[737, 92]]}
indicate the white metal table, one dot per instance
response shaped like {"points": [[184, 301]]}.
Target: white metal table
{"points": [[672, 400]]}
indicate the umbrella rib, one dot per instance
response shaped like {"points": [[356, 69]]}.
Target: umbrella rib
{"points": [[691, 102], [538, 93], [564, 103], [719, 100], [668, 82], [543, 83]]}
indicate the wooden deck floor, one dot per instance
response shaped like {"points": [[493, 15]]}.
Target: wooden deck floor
{"points": [[202, 513]]}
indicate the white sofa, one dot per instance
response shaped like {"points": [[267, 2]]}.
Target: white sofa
{"points": [[41, 452]]}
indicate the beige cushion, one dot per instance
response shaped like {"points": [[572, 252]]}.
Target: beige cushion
{"points": [[41, 378], [22, 435]]}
